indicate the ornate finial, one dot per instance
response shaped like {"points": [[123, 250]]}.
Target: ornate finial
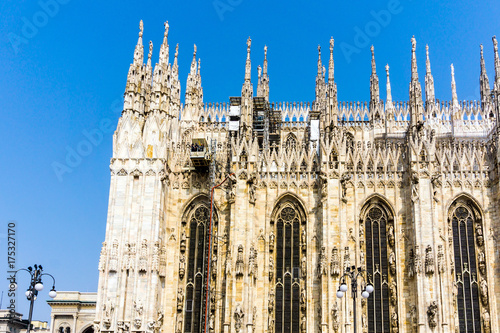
{"points": [[166, 29], [497, 59], [331, 64], [319, 50], [453, 87], [389, 94], [427, 61], [259, 71], [495, 44], [141, 28], [150, 50], [265, 51], [249, 44], [177, 50], [387, 69], [199, 66], [430, 96], [413, 44], [194, 52], [374, 68], [414, 71], [332, 41]]}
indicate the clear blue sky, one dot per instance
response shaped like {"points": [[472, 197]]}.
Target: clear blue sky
{"points": [[64, 77]]}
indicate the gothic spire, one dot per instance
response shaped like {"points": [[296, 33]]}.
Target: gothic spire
{"points": [[193, 62], [320, 65], [263, 83], [150, 54], [454, 98], [248, 65], [164, 47], [139, 48], [497, 59], [484, 83], [388, 85], [416, 103], [430, 96], [265, 60], [331, 76], [374, 86]]}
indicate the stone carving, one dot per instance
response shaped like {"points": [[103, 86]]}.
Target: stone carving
{"points": [[271, 241], [335, 317], [323, 268], [486, 321], [303, 324], [432, 314], [324, 184], [183, 241], [213, 266], [238, 318], [271, 268], [303, 240], [394, 322], [252, 262], [143, 259], [393, 292], [163, 262], [484, 291], [180, 299], [411, 264], [481, 260], [211, 323], [392, 263], [178, 326], [347, 260], [479, 235], [138, 307], [123, 326], [303, 299], [182, 265], [390, 236], [270, 326], [108, 309], [155, 261], [335, 263], [418, 260], [414, 186], [343, 183], [440, 259], [270, 301], [303, 267], [252, 189], [240, 264], [233, 183], [113, 260], [413, 316], [429, 260], [102, 258]]}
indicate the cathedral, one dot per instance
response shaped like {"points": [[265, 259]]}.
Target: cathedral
{"points": [[323, 216]]}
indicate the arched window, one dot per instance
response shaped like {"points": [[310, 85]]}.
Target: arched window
{"points": [[380, 266], [196, 247], [470, 266], [291, 141], [290, 268]]}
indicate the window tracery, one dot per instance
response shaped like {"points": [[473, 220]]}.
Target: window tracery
{"points": [[289, 271]]}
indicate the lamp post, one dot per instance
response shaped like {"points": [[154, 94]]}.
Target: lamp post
{"points": [[35, 286], [353, 273]]}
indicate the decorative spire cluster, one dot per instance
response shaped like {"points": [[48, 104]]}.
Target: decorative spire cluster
{"points": [[416, 103], [263, 84], [484, 83]]}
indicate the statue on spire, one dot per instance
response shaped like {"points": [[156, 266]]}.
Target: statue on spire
{"points": [[150, 50], [413, 44], [166, 28], [265, 51], [331, 44], [141, 28], [249, 44]]}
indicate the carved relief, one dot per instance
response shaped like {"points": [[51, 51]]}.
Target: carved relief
{"points": [[102, 258], [323, 268], [484, 291], [440, 258], [335, 317], [481, 262], [390, 236], [180, 299], [347, 260], [240, 264], [238, 318], [272, 238], [143, 259], [486, 321], [271, 268], [155, 261], [429, 260], [394, 322], [182, 265], [113, 260], [335, 263], [432, 314], [393, 294], [392, 263]]}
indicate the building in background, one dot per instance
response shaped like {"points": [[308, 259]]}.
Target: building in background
{"points": [[242, 216], [72, 312]]}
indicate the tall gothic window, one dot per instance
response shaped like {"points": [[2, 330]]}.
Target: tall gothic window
{"points": [[466, 230], [197, 249], [378, 266], [289, 277]]}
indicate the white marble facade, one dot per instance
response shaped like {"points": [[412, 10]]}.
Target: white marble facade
{"points": [[297, 208]]}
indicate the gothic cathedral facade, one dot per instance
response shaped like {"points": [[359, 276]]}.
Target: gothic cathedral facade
{"points": [[244, 216]]}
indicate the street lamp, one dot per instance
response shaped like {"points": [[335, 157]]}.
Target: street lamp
{"points": [[353, 273], [35, 286]]}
